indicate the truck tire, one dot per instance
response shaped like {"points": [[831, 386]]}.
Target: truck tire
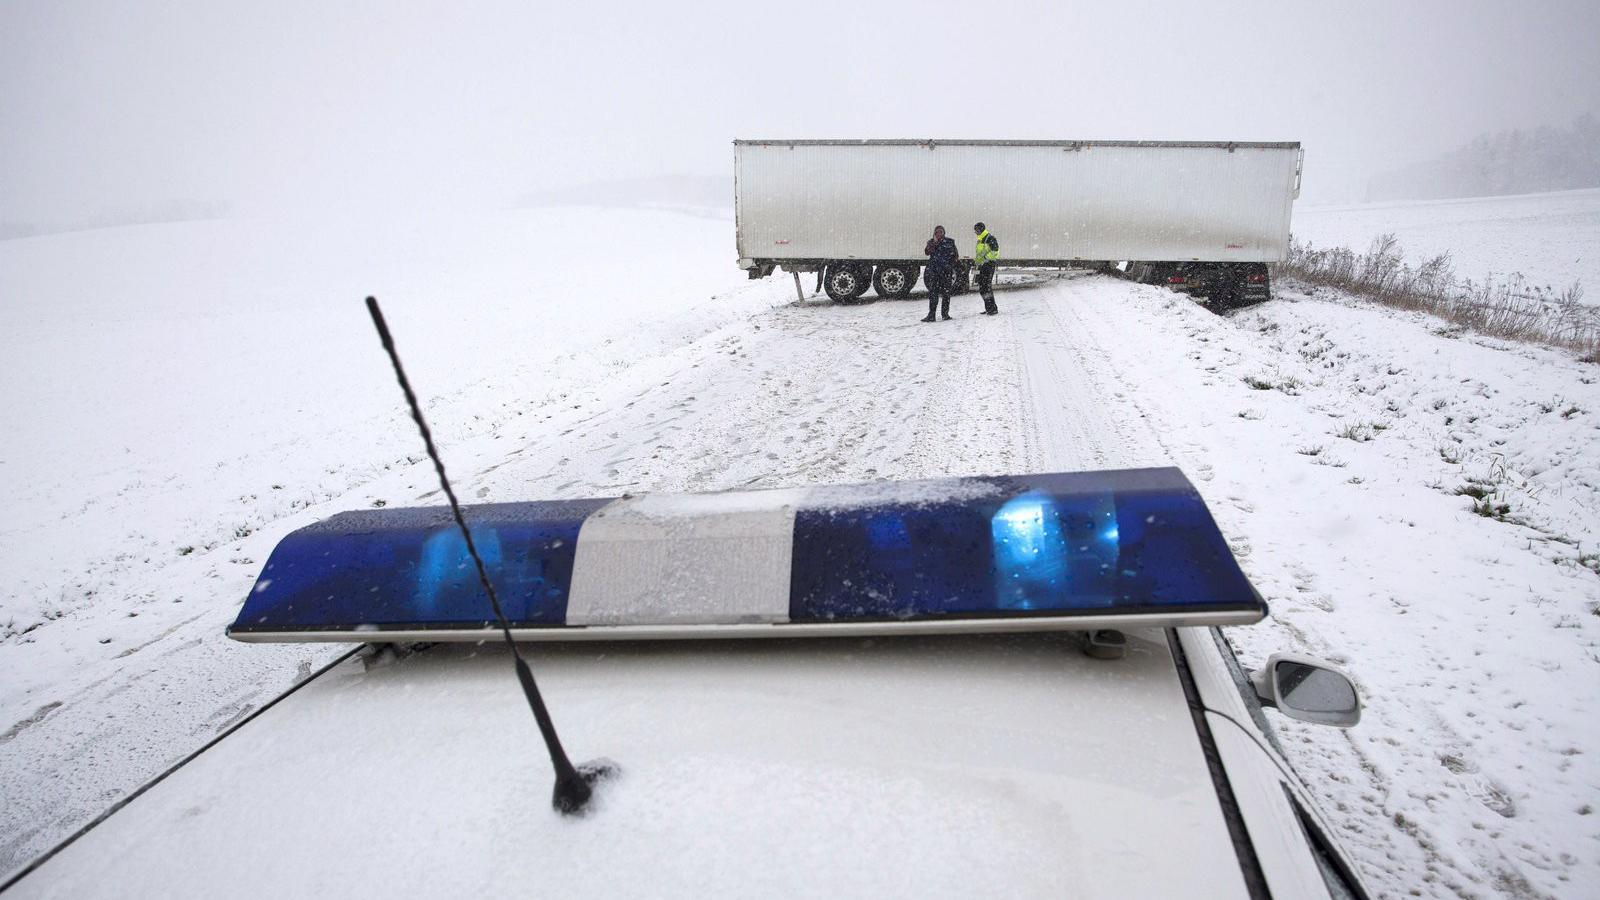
{"points": [[863, 275], [894, 282], [1219, 287], [844, 282]]}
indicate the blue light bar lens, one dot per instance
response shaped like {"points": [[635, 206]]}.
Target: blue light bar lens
{"points": [[409, 568], [1100, 542]]}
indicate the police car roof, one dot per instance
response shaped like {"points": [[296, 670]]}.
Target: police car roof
{"points": [[1004, 764]]}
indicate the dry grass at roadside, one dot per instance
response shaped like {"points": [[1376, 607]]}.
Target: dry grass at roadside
{"points": [[1508, 307]]}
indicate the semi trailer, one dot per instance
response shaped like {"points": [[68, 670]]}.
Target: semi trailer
{"points": [[1207, 215]]}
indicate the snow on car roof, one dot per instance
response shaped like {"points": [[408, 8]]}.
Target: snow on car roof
{"points": [[1007, 764]]}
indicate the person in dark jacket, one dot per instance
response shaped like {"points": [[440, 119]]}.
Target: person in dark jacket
{"points": [[943, 257], [987, 257]]}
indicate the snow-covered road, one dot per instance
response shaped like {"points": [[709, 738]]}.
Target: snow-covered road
{"points": [[815, 393], [1328, 438]]}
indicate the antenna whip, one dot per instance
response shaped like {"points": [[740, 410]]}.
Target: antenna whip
{"points": [[572, 790]]}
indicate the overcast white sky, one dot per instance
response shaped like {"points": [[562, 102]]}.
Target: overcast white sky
{"points": [[117, 106]]}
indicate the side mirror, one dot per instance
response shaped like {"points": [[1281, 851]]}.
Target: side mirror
{"points": [[1308, 689]]}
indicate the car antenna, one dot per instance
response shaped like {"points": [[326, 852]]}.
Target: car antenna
{"points": [[573, 783]]}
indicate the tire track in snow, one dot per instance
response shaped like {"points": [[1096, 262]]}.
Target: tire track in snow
{"points": [[1078, 419]]}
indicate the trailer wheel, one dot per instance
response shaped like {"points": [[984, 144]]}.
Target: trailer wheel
{"points": [[894, 282], [1232, 290], [1225, 295], [864, 275], [844, 282]]}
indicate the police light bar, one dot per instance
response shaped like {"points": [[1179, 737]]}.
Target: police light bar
{"points": [[1074, 551]]}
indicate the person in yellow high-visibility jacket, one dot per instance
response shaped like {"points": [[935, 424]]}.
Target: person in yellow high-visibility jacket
{"points": [[986, 257]]}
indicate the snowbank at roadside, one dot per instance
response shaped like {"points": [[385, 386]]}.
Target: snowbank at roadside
{"points": [[1334, 441]]}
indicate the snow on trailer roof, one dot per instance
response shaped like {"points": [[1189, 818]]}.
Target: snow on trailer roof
{"points": [[935, 142], [1008, 765], [1030, 552]]}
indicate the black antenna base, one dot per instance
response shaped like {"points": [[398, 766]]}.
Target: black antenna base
{"points": [[574, 789]]}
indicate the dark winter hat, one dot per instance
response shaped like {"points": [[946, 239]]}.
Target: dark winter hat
{"points": [[978, 226]]}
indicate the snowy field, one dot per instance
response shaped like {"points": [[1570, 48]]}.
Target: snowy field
{"points": [[178, 394], [187, 394], [1551, 239]]}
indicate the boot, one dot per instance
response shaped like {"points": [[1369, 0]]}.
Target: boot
{"points": [[933, 304], [945, 309]]}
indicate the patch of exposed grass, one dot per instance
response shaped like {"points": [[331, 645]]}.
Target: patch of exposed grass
{"points": [[1492, 508], [1488, 494], [1487, 499], [1309, 451], [1289, 385], [1360, 432]]}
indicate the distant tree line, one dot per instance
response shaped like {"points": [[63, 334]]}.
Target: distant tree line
{"points": [[1508, 162]]}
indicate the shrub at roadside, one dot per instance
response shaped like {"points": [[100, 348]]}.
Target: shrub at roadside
{"points": [[1508, 308]]}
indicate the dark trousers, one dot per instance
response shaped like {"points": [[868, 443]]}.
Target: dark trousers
{"points": [[939, 286], [986, 285]]}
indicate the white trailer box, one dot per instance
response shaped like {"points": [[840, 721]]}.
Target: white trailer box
{"points": [[1049, 202]]}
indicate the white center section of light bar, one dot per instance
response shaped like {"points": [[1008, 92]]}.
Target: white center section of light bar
{"points": [[685, 560]]}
